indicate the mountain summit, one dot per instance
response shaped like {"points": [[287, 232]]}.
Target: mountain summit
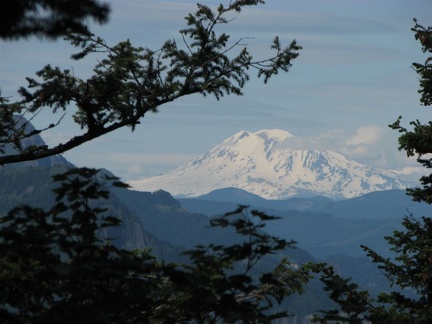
{"points": [[262, 163]]}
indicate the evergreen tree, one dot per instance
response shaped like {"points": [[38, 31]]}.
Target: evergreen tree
{"points": [[411, 269], [418, 141]]}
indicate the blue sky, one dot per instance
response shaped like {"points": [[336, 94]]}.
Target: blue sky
{"points": [[352, 78]]}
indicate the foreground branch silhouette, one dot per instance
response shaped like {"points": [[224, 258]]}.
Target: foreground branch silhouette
{"points": [[133, 81]]}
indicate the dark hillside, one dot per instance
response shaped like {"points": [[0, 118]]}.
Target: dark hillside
{"points": [[32, 186]]}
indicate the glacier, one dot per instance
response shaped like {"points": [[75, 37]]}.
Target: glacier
{"points": [[263, 163]]}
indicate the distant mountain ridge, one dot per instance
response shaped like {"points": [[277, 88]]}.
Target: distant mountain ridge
{"points": [[263, 164], [385, 204]]}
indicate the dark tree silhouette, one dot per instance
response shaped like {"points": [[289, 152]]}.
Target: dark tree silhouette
{"points": [[48, 18]]}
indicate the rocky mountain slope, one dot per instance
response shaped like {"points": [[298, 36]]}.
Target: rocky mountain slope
{"points": [[263, 163]]}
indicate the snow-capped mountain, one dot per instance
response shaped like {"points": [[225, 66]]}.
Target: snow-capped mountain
{"points": [[262, 163]]}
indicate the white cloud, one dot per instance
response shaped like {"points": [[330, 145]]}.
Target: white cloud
{"points": [[368, 135], [372, 145], [411, 173], [135, 168], [410, 170]]}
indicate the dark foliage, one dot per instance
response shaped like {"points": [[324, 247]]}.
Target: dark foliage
{"points": [[55, 265], [418, 142], [48, 18]]}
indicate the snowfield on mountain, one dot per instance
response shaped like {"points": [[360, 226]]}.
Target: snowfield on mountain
{"points": [[262, 163]]}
